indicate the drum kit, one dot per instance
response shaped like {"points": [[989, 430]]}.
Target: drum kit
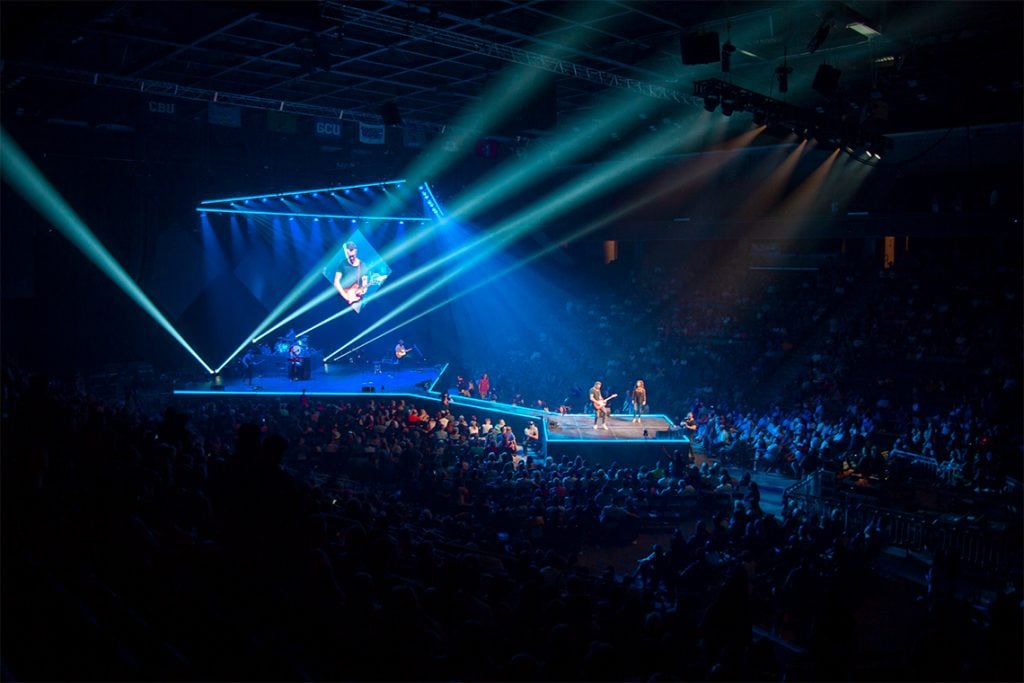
{"points": [[288, 353], [292, 347]]}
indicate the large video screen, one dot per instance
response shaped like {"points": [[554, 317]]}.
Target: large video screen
{"points": [[356, 271]]}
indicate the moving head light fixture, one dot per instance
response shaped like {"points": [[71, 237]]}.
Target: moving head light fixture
{"points": [[830, 132]]}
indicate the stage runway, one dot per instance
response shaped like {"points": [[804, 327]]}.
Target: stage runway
{"points": [[623, 442], [620, 428]]}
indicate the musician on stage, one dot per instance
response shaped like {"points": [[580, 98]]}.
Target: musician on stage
{"points": [[249, 362], [600, 405], [295, 362], [401, 351], [639, 400]]}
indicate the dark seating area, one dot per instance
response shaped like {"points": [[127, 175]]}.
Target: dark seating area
{"points": [[306, 538]]}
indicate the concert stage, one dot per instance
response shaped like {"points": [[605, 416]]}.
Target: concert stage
{"points": [[620, 428], [623, 442], [330, 378]]}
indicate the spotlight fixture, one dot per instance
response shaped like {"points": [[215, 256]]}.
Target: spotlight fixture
{"points": [[728, 107], [759, 117], [710, 102], [389, 114]]}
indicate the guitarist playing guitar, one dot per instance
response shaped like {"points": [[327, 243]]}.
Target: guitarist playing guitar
{"points": [[600, 403], [349, 279]]}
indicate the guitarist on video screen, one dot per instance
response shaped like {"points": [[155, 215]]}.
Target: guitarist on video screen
{"points": [[600, 405], [350, 279]]}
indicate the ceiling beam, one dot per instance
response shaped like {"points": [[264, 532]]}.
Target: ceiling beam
{"points": [[348, 14]]}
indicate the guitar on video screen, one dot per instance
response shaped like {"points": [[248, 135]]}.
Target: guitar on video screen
{"points": [[354, 294]]}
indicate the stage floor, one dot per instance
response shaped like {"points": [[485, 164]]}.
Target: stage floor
{"points": [[620, 428]]}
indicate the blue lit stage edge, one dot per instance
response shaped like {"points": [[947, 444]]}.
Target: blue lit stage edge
{"points": [[624, 442]]}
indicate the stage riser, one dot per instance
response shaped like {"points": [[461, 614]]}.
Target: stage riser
{"points": [[605, 453]]}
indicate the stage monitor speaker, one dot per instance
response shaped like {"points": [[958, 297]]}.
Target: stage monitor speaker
{"points": [[826, 81], [369, 389], [699, 48]]}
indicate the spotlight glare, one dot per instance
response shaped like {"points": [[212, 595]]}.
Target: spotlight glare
{"points": [[24, 177]]}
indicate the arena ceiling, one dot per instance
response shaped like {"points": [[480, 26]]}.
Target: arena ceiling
{"points": [[933, 65]]}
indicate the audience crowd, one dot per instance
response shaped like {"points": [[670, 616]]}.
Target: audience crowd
{"points": [[314, 539]]}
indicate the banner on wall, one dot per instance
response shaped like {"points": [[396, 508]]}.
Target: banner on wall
{"points": [[326, 128], [371, 134]]}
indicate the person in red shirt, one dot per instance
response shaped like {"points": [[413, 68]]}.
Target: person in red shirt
{"points": [[484, 385]]}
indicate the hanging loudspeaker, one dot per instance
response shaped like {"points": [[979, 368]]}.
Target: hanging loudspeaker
{"points": [[826, 81], [389, 114]]}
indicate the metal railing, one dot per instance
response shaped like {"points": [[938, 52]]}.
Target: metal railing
{"points": [[983, 547]]}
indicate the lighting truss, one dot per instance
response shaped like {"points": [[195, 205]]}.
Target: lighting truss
{"points": [[186, 92], [748, 100], [831, 132], [296, 193], [431, 200], [298, 214], [346, 13]]}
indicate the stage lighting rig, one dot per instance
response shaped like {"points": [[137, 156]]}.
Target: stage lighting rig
{"points": [[783, 118], [736, 99]]}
